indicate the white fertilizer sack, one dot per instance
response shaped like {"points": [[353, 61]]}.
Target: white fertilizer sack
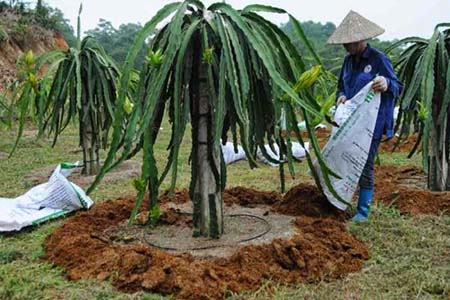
{"points": [[43, 202], [348, 148]]}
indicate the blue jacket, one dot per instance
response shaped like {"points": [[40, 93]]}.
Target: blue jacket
{"points": [[355, 76]]}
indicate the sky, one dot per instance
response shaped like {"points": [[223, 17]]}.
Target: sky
{"points": [[400, 18]]}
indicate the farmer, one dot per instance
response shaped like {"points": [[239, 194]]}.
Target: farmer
{"points": [[363, 64]]}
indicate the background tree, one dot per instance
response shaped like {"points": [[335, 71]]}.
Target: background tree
{"points": [[83, 88], [24, 98], [225, 71], [424, 68], [332, 55], [116, 42], [42, 15], [53, 19]]}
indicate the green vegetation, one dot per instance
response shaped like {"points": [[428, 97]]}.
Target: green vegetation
{"points": [[213, 71], [83, 88], [26, 96], [117, 41], [409, 260], [18, 17], [424, 68], [3, 34], [209, 66], [332, 55], [409, 255]]}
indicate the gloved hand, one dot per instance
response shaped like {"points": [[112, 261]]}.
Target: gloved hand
{"points": [[380, 84], [342, 99]]}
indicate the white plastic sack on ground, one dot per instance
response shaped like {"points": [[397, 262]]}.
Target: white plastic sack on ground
{"points": [[297, 151], [229, 156], [43, 202], [348, 148]]}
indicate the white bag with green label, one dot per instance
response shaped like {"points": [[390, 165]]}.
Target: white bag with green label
{"points": [[43, 202], [348, 147]]}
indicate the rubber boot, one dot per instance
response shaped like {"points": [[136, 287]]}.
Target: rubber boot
{"points": [[363, 208]]}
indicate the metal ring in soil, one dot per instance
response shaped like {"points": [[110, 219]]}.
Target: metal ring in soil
{"points": [[268, 227]]}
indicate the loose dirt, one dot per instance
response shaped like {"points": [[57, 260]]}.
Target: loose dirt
{"points": [[307, 200], [250, 197], [394, 145], [319, 248], [405, 188]]}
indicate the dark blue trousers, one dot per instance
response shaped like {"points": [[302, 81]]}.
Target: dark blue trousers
{"points": [[367, 179]]}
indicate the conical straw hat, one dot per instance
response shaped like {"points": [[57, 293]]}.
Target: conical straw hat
{"points": [[354, 28]]}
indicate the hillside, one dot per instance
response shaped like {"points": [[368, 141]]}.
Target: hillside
{"points": [[17, 37]]}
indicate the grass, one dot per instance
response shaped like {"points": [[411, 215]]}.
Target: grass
{"points": [[410, 255], [409, 260]]}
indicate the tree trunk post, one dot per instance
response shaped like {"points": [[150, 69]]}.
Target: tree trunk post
{"points": [[87, 138], [207, 194], [438, 166]]}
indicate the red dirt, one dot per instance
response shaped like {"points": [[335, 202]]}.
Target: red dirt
{"points": [[301, 200], [322, 250], [174, 216], [322, 135], [396, 186], [178, 197], [250, 197], [60, 42], [237, 195], [403, 146], [394, 173], [400, 187], [307, 200], [416, 201]]}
